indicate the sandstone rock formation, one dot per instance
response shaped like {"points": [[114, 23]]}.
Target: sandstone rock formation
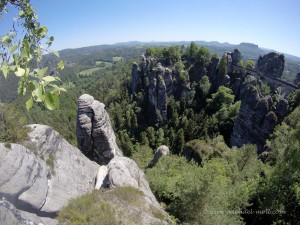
{"points": [[158, 93], [158, 83], [236, 56], [41, 178], [161, 151], [257, 117], [95, 136], [10, 215], [271, 64], [123, 171]]}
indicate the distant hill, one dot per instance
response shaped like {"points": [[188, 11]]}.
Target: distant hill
{"points": [[87, 57], [129, 49]]}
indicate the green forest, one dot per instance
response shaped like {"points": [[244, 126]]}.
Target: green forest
{"points": [[215, 183]]}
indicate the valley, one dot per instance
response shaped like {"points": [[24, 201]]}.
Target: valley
{"points": [[231, 129]]}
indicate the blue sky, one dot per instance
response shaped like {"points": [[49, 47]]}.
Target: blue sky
{"points": [[271, 24]]}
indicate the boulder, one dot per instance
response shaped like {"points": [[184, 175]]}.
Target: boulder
{"points": [[162, 151], [95, 136]]}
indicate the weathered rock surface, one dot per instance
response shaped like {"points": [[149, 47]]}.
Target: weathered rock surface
{"points": [[161, 151], [257, 116], [42, 177], [151, 77], [271, 64], [95, 136], [9, 215], [123, 171]]}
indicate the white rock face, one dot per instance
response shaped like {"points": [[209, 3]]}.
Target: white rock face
{"points": [[43, 177], [9, 215]]}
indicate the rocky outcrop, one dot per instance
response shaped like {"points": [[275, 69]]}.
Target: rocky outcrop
{"points": [[135, 72], [158, 83], [161, 151], [213, 70], [271, 64], [257, 117], [39, 179], [42, 177], [236, 56], [158, 90], [95, 136], [123, 171]]}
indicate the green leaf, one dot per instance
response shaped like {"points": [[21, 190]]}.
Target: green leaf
{"points": [[22, 86], [42, 31], [42, 72], [25, 50], [39, 93], [13, 48], [51, 101], [29, 103], [20, 72], [55, 53], [61, 65], [5, 39], [4, 68], [48, 78], [32, 86]]}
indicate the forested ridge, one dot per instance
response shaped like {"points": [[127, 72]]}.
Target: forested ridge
{"points": [[204, 180]]}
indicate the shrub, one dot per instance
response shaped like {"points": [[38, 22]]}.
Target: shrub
{"points": [[195, 194], [120, 205], [87, 210], [142, 155]]}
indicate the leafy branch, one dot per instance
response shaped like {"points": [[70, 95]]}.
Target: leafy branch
{"points": [[21, 53]]}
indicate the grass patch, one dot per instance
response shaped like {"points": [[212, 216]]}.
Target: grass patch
{"points": [[120, 205], [87, 210], [129, 195], [103, 63], [117, 58], [89, 72]]}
